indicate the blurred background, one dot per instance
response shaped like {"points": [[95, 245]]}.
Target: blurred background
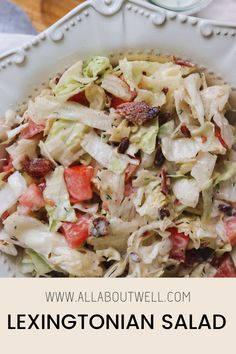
{"points": [[43, 13], [32, 16]]}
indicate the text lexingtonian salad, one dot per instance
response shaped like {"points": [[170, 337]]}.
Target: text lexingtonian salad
{"points": [[121, 171]]}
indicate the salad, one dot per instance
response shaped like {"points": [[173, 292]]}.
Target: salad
{"points": [[123, 170]]}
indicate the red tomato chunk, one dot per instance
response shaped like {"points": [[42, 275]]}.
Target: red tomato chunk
{"points": [[78, 181], [76, 233], [32, 199], [31, 130], [230, 229], [179, 244], [227, 268]]}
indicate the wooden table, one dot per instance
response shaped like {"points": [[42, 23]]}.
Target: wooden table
{"points": [[44, 13]]}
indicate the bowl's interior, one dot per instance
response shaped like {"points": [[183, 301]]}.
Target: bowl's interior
{"points": [[212, 77]]}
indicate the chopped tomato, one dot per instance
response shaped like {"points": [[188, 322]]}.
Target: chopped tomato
{"points": [[230, 229], [179, 244], [227, 268], [76, 233], [116, 101], [32, 199], [78, 180], [219, 136], [130, 171], [31, 130], [80, 98]]}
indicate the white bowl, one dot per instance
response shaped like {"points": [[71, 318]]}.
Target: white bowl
{"points": [[187, 6], [114, 28]]}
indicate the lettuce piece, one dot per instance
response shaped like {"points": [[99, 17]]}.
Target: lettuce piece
{"points": [[52, 246], [211, 143], [79, 113], [148, 199], [215, 99], [145, 138], [182, 108], [96, 97], [56, 193], [71, 82], [192, 85], [41, 267], [166, 129], [203, 169], [119, 232], [110, 254], [21, 149], [63, 141], [228, 171], [11, 191], [122, 131], [6, 245], [133, 71], [186, 190], [11, 134], [96, 67], [152, 99], [227, 190], [207, 198], [116, 87], [104, 154], [39, 109], [179, 150], [45, 108]]}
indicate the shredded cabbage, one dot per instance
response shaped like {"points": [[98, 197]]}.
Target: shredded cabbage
{"points": [[156, 191]]}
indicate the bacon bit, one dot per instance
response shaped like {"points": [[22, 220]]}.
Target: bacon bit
{"points": [[183, 62], [37, 168], [204, 139], [80, 98], [138, 112], [165, 182], [165, 90], [49, 202], [31, 130], [219, 136], [185, 131]]}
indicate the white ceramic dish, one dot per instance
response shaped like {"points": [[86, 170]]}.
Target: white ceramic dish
{"points": [[186, 6], [115, 28]]}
